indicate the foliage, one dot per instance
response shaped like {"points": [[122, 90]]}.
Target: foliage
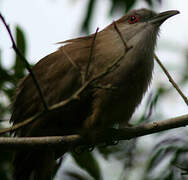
{"points": [[10, 77], [8, 81], [117, 5], [175, 152], [87, 162]]}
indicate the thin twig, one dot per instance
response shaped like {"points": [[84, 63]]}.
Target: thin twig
{"points": [[121, 36], [70, 142], [90, 55], [171, 79], [75, 96], [105, 87], [74, 64], [70, 60], [21, 124], [24, 60]]}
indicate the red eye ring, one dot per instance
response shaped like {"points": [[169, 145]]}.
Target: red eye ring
{"points": [[133, 19]]}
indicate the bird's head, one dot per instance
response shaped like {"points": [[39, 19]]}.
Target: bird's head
{"points": [[142, 24]]}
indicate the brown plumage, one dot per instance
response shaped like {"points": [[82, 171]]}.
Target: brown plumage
{"points": [[97, 108]]}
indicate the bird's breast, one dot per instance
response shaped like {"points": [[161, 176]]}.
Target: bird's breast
{"points": [[130, 81]]}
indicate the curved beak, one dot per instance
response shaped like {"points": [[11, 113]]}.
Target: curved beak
{"points": [[161, 17]]}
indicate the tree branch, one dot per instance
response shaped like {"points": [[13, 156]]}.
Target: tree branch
{"points": [[69, 143], [171, 79], [121, 36], [74, 64], [24, 60], [90, 55]]}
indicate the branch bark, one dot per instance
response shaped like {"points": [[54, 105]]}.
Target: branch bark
{"points": [[171, 79], [90, 55], [69, 143]]}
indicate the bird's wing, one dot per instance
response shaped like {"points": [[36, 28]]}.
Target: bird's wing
{"points": [[57, 77]]}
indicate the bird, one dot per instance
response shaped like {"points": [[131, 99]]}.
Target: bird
{"points": [[111, 100]]}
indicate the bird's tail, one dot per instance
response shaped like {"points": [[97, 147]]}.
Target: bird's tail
{"points": [[36, 165]]}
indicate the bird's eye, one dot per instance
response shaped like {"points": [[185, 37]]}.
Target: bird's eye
{"points": [[133, 19]]}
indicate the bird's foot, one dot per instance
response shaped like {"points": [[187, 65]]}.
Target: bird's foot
{"points": [[110, 137], [83, 148]]}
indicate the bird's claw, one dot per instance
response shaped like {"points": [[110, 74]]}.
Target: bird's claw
{"points": [[111, 143], [85, 148]]}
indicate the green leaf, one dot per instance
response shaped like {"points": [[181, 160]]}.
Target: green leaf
{"points": [[76, 176], [19, 67], [124, 5], [88, 162], [6, 77], [9, 91], [5, 165], [87, 20], [169, 176], [149, 2], [129, 4], [152, 163]]}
